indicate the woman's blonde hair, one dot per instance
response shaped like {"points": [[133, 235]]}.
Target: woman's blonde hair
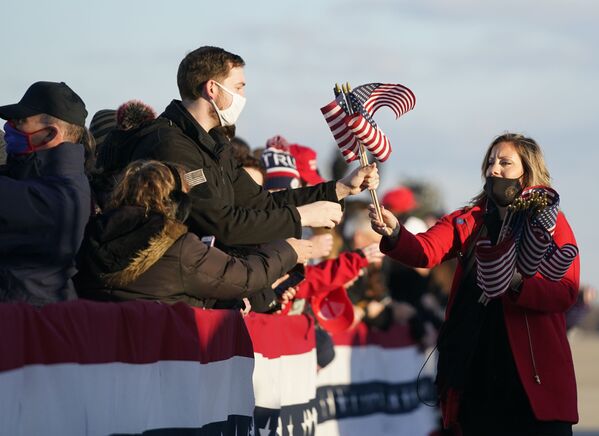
{"points": [[535, 170], [147, 184]]}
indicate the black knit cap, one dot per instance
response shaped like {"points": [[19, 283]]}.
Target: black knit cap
{"points": [[102, 123], [52, 98]]}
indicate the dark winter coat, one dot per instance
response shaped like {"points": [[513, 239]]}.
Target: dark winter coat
{"points": [[127, 255], [227, 203], [44, 206]]}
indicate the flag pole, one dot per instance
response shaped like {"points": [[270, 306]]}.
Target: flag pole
{"points": [[345, 89]]}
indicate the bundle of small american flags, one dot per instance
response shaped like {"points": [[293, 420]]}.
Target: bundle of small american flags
{"points": [[349, 117], [528, 245], [537, 249]]}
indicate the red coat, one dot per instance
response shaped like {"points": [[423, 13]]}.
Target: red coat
{"points": [[541, 302]]}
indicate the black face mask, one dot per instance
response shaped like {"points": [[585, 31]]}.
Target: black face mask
{"points": [[502, 191]]}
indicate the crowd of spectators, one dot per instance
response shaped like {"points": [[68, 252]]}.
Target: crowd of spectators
{"points": [[177, 208]]}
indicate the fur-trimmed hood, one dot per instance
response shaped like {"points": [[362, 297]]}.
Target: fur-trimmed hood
{"points": [[124, 243]]}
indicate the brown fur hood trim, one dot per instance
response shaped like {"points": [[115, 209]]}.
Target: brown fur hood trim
{"points": [[147, 257]]}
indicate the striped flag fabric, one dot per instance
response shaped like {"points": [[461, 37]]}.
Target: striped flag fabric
{"points": [[336, 113], [532, 247], [355, 126], [139, 367], [358, 108], [376, 385], [555, 265], [366, 130], [495, 266], [284, 375], [348, 130], [374, 96], [546, 218], [373, 138]]}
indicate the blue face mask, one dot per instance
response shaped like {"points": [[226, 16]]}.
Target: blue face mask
{"points": [[18, 142]]}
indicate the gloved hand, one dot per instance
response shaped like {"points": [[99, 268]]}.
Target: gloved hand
{"points": [[495, 266]]}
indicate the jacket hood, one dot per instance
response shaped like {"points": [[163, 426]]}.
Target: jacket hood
{"points": [[124, 243]]}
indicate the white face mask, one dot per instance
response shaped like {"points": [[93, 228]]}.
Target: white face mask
{"points": [[229, 116]]}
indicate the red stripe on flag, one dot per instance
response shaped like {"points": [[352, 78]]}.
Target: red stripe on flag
{"points": [[134, 332], [274, 336], [373, 139], [335, 117]]}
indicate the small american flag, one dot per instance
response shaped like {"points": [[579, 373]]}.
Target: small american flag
{"points": [[358, 108], [495, 266], [366, 130], [355, 126], [546, 218], [394, 96], [335, 113], [555, 265], [372, 138], [532, 248]]}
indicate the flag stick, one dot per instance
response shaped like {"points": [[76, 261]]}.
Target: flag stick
{"points": [[363, 156], [373, 194]]}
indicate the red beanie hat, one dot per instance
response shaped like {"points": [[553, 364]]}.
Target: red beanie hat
{"points": [[305, 160], [400, 200]]}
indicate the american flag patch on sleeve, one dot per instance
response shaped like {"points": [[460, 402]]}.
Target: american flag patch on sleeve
{"points": [[195, 178]]}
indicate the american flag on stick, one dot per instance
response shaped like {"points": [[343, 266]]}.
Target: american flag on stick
{"points": [[336, 113], [532, 248], [354, 129], [555, 265], [366, 130], [394, 96], [537, 250], [349, 117], [546, 217], [494, 266]]}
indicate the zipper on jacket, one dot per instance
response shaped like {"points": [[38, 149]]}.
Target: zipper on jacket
{"points": [[532, 354]]}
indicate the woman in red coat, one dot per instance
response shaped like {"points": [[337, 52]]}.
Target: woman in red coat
{"points": [[505, 366]]}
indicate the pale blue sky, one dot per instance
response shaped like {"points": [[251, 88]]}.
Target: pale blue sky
{"points": [[477, 69]]}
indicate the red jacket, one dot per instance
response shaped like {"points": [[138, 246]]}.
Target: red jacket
{"points": [[541, 304]]}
